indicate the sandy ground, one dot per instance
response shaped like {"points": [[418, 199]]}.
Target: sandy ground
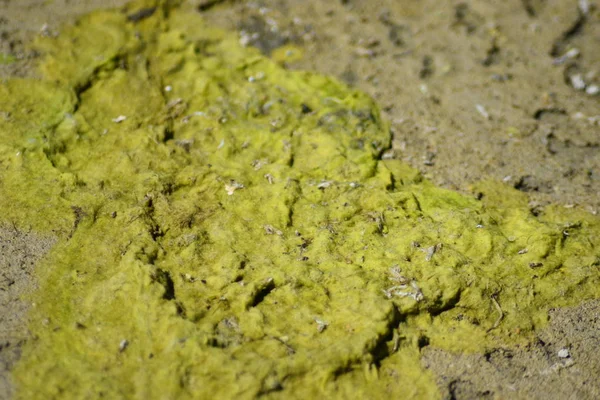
{"points": [[562, 363], [474, 89], [19, 252]]}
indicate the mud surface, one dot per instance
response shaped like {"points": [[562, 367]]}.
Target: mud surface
{"points": [[474, 89]]}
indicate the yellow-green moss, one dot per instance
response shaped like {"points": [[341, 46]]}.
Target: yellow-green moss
{"points": [[7, 58], [228, 229]]}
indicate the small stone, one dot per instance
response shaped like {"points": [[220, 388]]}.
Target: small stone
{"points": [[564, 353], [577, 82], [592, 90]]}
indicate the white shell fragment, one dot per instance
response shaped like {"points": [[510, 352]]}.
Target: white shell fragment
{"points": [[481, 110], [321, 325], [232, 186], [324, 185], [403, 286]]}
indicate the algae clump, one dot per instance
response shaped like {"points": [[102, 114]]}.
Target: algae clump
{"points": [[229, 229]]}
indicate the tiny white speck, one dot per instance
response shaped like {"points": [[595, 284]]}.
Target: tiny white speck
{"points": [[481, 110], [574, 52], [324, 185], [119, 119], [245, 40], [168, 88]]}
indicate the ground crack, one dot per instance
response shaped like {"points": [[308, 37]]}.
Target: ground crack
{"points": [[560, 44]]}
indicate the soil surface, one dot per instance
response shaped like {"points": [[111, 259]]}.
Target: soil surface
{"points": [[562, 363], [19, 252], [473, 89]]}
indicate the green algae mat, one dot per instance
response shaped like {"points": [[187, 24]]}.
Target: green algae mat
{"points": [[228, 228]]}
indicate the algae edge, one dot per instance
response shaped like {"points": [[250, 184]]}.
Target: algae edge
{"points": [[238, 236]]}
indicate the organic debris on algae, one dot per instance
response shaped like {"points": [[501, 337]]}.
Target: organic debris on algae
{"points": [[169, 281]]}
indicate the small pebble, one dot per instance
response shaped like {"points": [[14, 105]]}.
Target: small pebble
{"points": [[564, 353], [592, 90], [577, 82]]}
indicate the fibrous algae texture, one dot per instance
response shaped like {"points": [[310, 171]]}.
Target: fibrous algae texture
{"points": [[228, 228]]}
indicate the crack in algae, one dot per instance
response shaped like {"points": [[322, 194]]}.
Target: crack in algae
{"points": [[238, 235]]}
